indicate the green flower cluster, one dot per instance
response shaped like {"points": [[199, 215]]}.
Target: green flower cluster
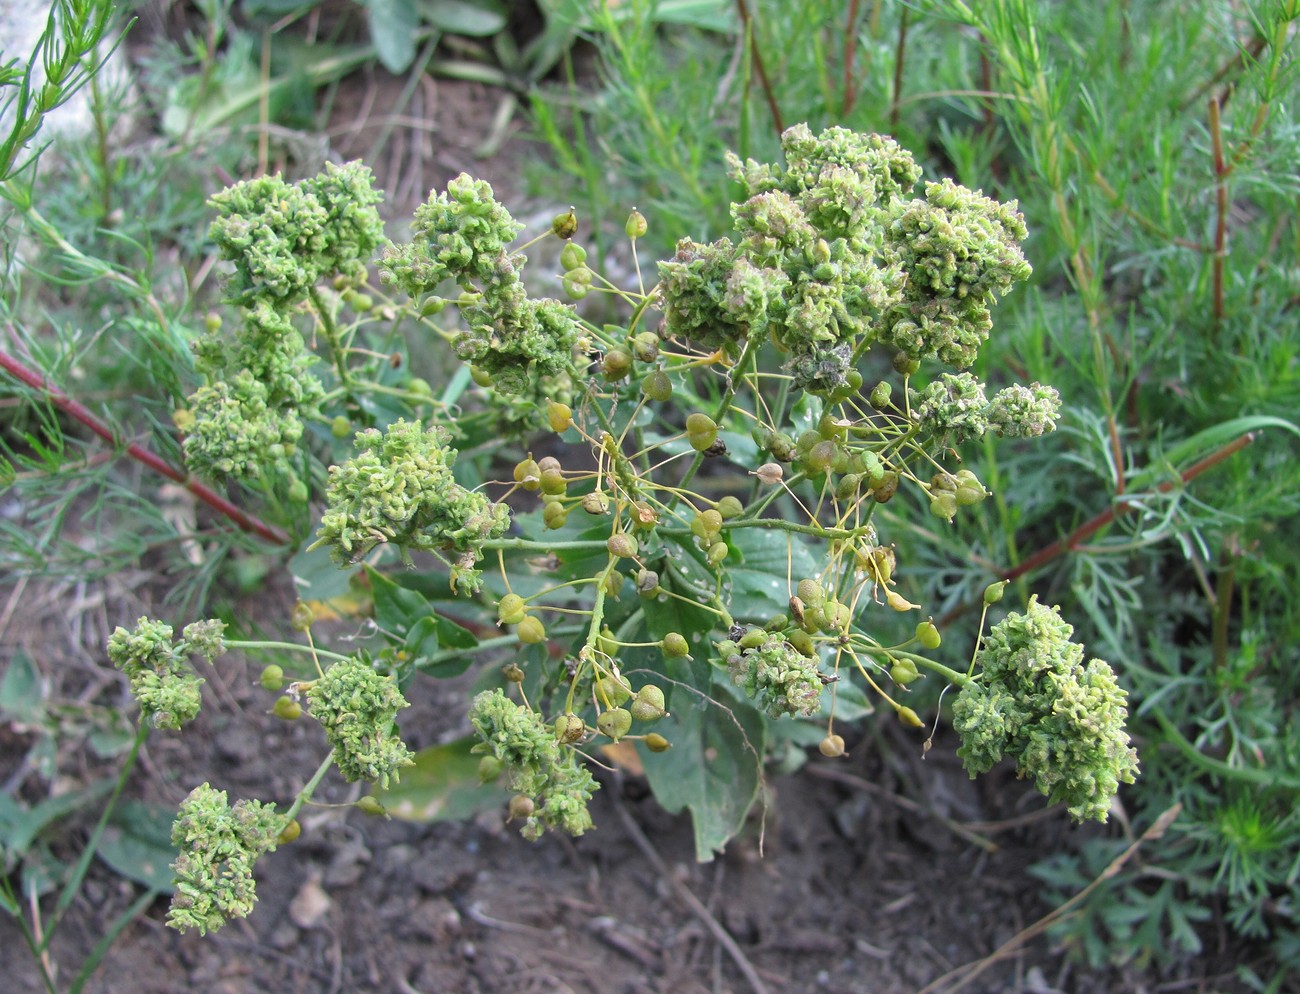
{"points": [[961, 251], [830, 258], [1062, 721], [535, 763], [356, 707], [780, 678], [462, 235], [399, 488], [218, 846], [283, 240], [955, 409], [163, 684]]}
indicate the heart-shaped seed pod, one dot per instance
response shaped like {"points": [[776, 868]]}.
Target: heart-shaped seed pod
{"points": [[569, 728], [675, 646], [649, 704], [489, 768], [531, 631], [511, 609], [928, 635], [832, 746], [622, 545], [616, 364], [528, 474], [519, 807], [657, 743], [730, 507], [559, 416], [572, 256], [615, 722], [904, 672], [272, 677], [657, 386], [596, 502], [612, 691]]}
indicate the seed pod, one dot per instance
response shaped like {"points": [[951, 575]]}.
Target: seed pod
{"points": [[832, 746], [899, 603], [885, 489], [341, 426], [511, 609], [647, 582], [432, 306], [838, 617], [993, 592], [622, 545], [528, 474], [554, 515], [565, 225], [287, 708], [644, 517], [802, 642], [531, 631], [575, 289], [272, 677], [905, 364], [289, 833], [636, 225], [910, 718], [675, 646], [781, 446], [649, 704], [612, 690], [943, 482], [657, 743], [616, 722], [559, 416], [489, 768], [880, 395], [717, 554], [212, 322], [519, 807], [569, 728], [553, 481], [302, 617], [645, 346], [820, 457], [596, 502], [613, 584], [657, 386], [371, 805], [969, 495], [777, 623], [810, 591], [928, 635], [903, 672], [752, 639], [944, 505], [480, 376], [572, 256], [700, 423], [730, 507], [513, 673], [616, 364], [769, 474], [848, 486], [814, 619]]}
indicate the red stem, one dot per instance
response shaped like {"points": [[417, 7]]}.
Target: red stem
{"points": [[1221, 171], [850, 55], [757, 56], [77, 410]]}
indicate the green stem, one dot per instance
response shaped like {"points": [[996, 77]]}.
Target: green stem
{"points": [[288, 646], [305, 794], [528, 545], [724, 405], [949, 674], [335, 339]]}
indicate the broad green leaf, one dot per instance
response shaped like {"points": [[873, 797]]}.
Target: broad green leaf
{"points": [[19, 826], [443, 785], [461, 18], [714, 768], [316, 576], [21, 694], [394, 25], [759, 587], [137, 844], [397, 608]]}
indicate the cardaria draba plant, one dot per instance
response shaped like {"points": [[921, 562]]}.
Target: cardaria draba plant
{"points": [[694, 548]]}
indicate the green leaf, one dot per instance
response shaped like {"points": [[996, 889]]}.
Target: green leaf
{"points": [[443, 785], [459, 18], [137, 844], [19, 826], [316, 576], [397, 609], [714, 768], [394, 25], [758, 581], [21, 693]]}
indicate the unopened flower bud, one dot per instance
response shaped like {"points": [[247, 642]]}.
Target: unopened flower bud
{"points": [[993, 592], [636, 224]]}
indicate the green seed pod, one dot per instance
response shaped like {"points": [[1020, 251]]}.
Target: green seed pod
{"points": [[553, 482], [359, 302], [943, 483], [370, 805], [644, 517], [782, 447], [528, 474], [769, 474], [489, 768], [848, 486], [810, 591], [910, 718], [613, 584], [480, 376], [341, 426], [287, 708], [903, 672], [752, 639], [838, 617], [968, 496], [572, 256], [700, 423], [559, 416], [802, 642], [519, 807], [883, 491], [289, 833], [622, 545], [613, 690], [905, 364], [645, 346], [531, 631], [657, 743], [574, 289], [302, 617], [596, 502], [636, 225], [880, 395], [605, 641], [657, 386], [730, 507], [616, 722], [832, 746], [272, 677], [433, 306], [928, 635], [565, 225], [944, 505], [777, 623], [717, 554], [569, 728], [212, 322], [555, 515], [820, 457], [814, 619], [993, 592], [511, 609], [649, 704], [675, 646], [616, 364]]}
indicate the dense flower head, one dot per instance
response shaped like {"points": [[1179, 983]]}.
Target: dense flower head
{"points": [[356, 706], [960, 250], [162, 682], [1024, 411], [779, 678], [285, 238], [535, 764], [1061, 721], [218, 846], [399, 488], [955, 409], [237, 432]]}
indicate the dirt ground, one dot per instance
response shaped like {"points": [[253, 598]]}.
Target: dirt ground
{"points": [[879, 874]]}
